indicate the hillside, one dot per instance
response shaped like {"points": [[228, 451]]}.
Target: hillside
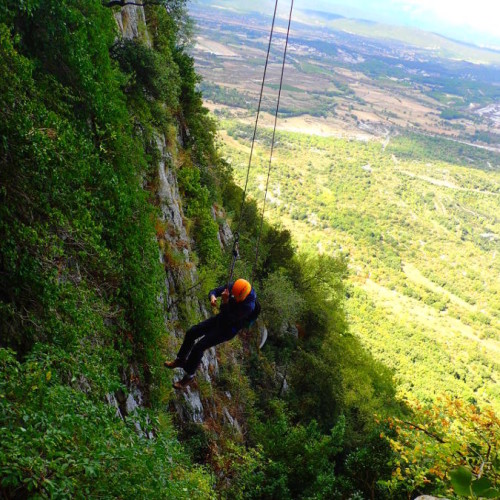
{"points": [[108, 260], [117, 206], [324, 16], [381, 157], [344, 83], [419, 39], [422, 236]]}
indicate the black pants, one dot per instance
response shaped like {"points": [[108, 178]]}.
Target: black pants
{"points": [[211, 333]]}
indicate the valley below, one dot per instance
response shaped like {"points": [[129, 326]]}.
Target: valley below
{"points": [[387, 154]]}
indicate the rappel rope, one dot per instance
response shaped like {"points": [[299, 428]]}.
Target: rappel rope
{"points": [[272, 142], [235, 249]]}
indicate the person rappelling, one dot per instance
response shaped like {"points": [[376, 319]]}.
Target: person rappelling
{"points": [[239, 308]]}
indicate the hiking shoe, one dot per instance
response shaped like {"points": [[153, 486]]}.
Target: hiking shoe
{"points": [[177, 363], [184, 382]]}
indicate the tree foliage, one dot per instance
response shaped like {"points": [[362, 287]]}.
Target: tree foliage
{"points": [[79, 271], [439, 446]]}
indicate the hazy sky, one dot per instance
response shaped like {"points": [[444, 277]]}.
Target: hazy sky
{"points": [[472, 20]]}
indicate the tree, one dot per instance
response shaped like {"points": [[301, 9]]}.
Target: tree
{"points": [[448, 443]]}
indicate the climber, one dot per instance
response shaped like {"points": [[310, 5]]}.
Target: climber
{"points": [[238, 309]]}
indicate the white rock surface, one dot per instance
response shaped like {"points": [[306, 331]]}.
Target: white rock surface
{"points": [[131, 21]]}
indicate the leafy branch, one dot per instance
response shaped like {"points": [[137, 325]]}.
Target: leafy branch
{"points": [[425, 431]]}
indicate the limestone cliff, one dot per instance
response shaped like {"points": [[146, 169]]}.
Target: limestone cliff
{"points": [[179, 279]]}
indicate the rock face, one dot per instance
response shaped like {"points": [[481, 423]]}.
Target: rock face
{"points": [[225, 235], [181, 278], [131, 22], [191, 409]]}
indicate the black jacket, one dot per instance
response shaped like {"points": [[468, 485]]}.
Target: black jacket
{"points": [[234, 314]]}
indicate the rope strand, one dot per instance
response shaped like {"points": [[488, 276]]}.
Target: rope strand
{"points": [[272, 142], [235, 254], [257, 117], [234, 251]]}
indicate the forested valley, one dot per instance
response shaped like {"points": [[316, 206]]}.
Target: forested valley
{"points": [[117, 199]]}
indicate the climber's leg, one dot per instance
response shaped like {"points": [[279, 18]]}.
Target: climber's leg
{"points": [[212, 338], [194, 333]]}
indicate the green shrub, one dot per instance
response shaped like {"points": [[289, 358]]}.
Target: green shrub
{"points": [[57, 441]]}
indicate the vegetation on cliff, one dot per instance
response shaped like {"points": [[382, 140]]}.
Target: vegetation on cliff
{"points": [[80, 277], [82, 309]]}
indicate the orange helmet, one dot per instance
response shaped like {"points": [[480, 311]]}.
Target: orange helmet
{"points": [[241, 289]]}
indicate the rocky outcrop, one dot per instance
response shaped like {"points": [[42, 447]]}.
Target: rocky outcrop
{"points": [[225, 235], [127, 404], [131, 22]]}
